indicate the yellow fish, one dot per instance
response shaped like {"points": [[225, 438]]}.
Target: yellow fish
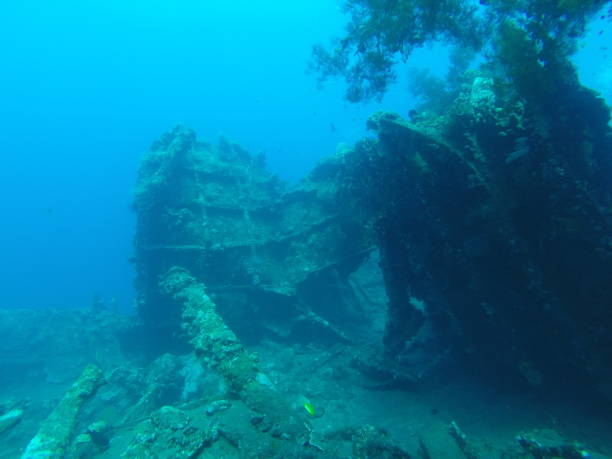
{"points": [[311, 410]]}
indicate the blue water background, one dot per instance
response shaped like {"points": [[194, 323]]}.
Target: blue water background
{"points": [[86, 86]]}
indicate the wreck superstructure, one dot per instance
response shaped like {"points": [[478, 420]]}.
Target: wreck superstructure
{"points": [[492, 224]]}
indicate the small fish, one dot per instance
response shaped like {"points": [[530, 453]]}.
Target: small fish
{"points": [[310, 409]]}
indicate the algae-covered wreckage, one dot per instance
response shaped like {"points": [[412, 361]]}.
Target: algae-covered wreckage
{"points": [[476, 239], [492, 228], [506, 256]]}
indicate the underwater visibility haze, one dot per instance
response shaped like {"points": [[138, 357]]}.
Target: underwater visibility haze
{"points": [[334, 228], [87, 86]]}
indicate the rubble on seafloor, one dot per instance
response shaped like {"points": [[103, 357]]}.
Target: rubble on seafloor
{"points": [[273, 320], [182, 406]]}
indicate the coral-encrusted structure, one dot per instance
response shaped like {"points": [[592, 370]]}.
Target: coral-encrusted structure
{"points": [[500, 220], [55, 433], [493, 225], [261, 250]]}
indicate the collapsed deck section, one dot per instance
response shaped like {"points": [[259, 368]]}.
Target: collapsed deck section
{"points": [[262, 249]]}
